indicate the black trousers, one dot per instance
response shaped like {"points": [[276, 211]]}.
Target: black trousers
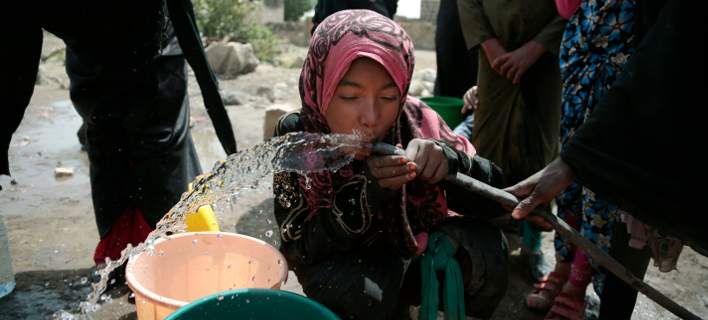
{"points": [[377, 283], [137, 135], [618, 298], [457, 66], [132, 100]]}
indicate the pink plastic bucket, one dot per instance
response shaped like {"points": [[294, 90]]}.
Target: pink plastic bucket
{"points": [[190, 265]]}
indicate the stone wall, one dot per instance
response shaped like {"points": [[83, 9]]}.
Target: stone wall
{"points": [[298, 32], [429, 10]]}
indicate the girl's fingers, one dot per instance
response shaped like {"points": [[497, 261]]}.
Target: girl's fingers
{"points": [[396, 183], [387, 161], [392, 171]]}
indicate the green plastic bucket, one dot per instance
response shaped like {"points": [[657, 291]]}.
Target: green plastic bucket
{"points": [[253, 304], [447, 107]]}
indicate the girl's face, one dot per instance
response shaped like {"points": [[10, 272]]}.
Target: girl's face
{"points": [[365, 102]]}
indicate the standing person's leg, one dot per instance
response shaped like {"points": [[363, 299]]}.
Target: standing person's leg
{"points": [[140, 151], [17, 79], [569, 208], [618, 298], [456, 66]]}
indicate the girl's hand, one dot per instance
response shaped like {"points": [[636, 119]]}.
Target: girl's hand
{"points": [[470, 99], [392, 172], [432, 165]]}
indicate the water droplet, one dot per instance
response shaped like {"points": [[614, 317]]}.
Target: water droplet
{"points": [[248, 301], [269, 233], [113, 281], [83, 280], [220, 298], [46, 284], [194, 241], [253, 278]]}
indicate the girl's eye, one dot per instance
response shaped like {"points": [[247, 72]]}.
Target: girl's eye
{"points": [[343, 97], [390, 98]]}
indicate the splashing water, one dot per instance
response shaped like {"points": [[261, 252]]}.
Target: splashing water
{"points": [[300, 152]]}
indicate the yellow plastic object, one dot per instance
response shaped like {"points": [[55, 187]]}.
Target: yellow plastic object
{"points": [[202, 220]]}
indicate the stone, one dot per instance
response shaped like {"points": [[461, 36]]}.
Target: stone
{"points": [[428, 75], [266, 92], [272, 114], [416, 88], [230, 98], [63, 172], [231, 59]]}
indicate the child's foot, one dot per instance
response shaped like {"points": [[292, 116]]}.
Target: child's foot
{"points": [[569, 304], [545, 291]]}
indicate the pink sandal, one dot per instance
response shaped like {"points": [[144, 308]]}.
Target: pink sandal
{"points": [[567, 307], [545, 291]]}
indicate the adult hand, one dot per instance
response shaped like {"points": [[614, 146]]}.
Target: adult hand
{"points": [[493, 49], [514, 64], [471, 102], [432, 165], [392, 172], [541, 188]]}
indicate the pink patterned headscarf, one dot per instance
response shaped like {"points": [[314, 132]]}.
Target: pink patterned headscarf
{"points": [[337, 42]]}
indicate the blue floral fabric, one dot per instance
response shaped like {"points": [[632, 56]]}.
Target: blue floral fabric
{"points": [[597, 41]]}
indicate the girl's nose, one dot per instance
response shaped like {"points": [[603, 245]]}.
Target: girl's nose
{"points": [[368, 115]]}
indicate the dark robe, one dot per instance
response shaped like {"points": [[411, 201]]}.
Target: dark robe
{"points": [[639, 148]]}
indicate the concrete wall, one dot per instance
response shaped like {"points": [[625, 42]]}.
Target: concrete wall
{"points": [[298, 33], [429, 10]]}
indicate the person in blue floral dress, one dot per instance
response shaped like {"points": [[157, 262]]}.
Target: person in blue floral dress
{"points": [[598, 40]]}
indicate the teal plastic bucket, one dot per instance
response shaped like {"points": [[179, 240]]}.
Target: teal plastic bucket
{"points": [[253, 304], [447, 107]]}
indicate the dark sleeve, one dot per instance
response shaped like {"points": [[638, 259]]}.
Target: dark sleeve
{"points": [[309, 236], [463, 201], [635, 148], [550, 36], [475, 25], [17, 83]]}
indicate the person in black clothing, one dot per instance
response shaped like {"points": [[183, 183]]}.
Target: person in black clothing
{"points": [[129, 84], [324, 8]]}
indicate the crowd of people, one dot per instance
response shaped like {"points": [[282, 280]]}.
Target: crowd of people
{"points": [[580, 103]]}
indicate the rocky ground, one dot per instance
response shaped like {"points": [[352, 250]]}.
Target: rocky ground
{"points": [[50, 219]]}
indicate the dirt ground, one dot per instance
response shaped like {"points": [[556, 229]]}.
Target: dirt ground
{"points": [[52, 231]]}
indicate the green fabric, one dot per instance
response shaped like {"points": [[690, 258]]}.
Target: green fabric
{"points": [[439, 256], [531, 237]]}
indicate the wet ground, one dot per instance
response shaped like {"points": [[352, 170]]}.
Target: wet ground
{"points": [[52, 230]]}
